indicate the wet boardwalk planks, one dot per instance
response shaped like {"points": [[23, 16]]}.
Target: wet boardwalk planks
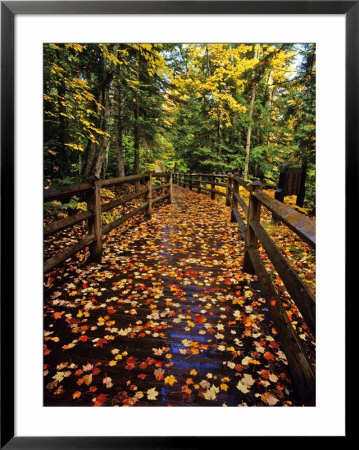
{"points": [[168, 319]]}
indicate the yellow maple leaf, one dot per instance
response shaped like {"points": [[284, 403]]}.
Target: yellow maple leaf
{"points": [[87, 379], [171, 380], [152, 394]]}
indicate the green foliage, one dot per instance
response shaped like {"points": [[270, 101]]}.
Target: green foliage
{"points": [[179, 107], [58, 209]]}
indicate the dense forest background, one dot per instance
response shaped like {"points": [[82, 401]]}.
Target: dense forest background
{"points": [[120, 109]]}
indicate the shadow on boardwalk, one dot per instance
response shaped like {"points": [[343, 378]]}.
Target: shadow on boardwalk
{"points": [[168, 318]]}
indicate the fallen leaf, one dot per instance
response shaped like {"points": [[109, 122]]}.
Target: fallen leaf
{"points": [[76, 394], [211, 393], [152, 394], [269, 399], [171, 380], [87, 379], [242, 387]]}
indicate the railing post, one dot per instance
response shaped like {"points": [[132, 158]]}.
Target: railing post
{"points": [[170, 188], [94, 223], [148, 197], [213, 182], [228, 203], [235, 190], [254, 211], [301, 193], [199, 183], [190, 182]]}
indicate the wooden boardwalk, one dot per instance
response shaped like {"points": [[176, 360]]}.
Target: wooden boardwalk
{"points": [[167, 319]]}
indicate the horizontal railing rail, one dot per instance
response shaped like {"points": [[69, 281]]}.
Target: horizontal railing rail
{"points": [[62, 192], [122, 180], [95, 209], [299, 223]]}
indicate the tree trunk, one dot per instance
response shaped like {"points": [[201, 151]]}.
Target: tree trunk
{"points": [[136, 131], [120, 167], [91, 153], [208, 66], [92, 146], [104, 166], [136, 163], [64, 161], [106, 129], [249, 133], [219, 134], [250, 115]]}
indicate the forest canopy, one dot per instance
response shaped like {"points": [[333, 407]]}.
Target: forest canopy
{"points": [[121, 109]]}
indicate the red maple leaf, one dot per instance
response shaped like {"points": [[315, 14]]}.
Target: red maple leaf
{"points": [[96, 371], [100, 400], [269, 356], [101, 342]]}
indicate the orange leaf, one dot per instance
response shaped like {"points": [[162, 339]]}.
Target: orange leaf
{"points": [[269, 356], [57, 315]]}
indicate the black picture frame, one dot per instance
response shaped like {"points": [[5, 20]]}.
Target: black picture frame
{"points": [[9, 10]]}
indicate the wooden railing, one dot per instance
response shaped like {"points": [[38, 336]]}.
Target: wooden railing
{"points": [[200, 180], [92, 191], [253, 233]]}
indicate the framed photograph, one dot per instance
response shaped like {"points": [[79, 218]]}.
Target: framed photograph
{"points": [[103, 77]]}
